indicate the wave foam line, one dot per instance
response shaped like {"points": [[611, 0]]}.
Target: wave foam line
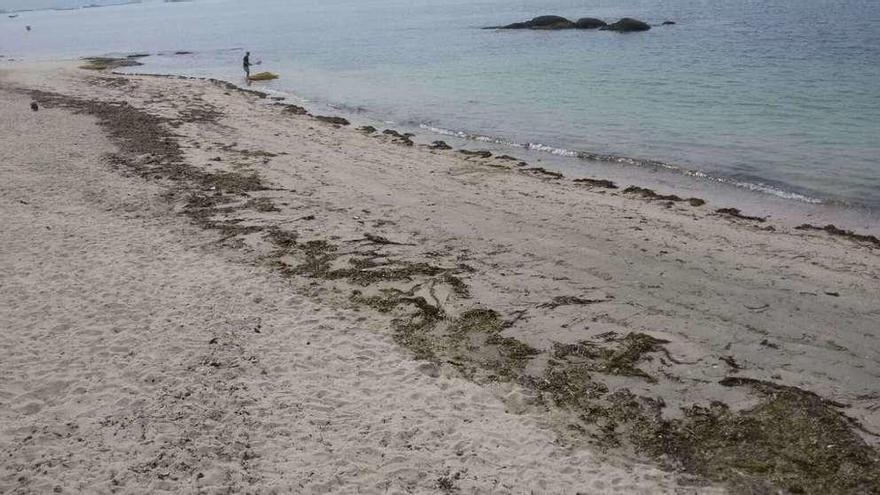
{"points": [[583, 155]]}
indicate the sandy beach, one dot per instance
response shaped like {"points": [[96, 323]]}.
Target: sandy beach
{"points": [[208, 290]]}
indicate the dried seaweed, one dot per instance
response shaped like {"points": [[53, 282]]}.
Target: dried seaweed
{"points": [[848, 234], [543, 171], [607, 184], [332, 120], [478, 154], [734, 212]]}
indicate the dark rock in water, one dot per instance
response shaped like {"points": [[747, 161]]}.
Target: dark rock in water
{"points": [[34, 106], [668, 23], [183, 53], [515, 25], [367, 129], [332, 120], [440, 145], [627, 25], [392, 132], [542, 22], [550, 22], [589, 23], [696, 201]]}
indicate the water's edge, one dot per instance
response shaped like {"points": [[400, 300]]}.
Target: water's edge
{"points": [[754, 198]]}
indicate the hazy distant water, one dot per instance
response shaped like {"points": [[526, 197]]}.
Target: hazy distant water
{"points": [[780, 95]]}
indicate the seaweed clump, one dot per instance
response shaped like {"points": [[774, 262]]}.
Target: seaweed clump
{"points": [[478, 153], [440, 145], [414, 331], [263, 205], [604, 183], [848, 234], [569, 301], [332, 120], [472, 341], [263, 76], [651, 194], [104, 63], [234, 182], [404, 139], [207, 115], [619, 359], [544, 171], [363, 271], [293, 109], [734, 212], [793, 439], [475, 337]]}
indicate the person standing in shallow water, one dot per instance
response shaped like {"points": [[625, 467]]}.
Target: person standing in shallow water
{"points": [[247, 64]]}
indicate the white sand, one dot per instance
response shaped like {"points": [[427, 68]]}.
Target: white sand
{"points": [[131, 358]]}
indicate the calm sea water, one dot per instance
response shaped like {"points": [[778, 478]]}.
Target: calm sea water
{"points": [[777, 96]]}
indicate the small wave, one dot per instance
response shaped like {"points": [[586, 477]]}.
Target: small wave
{"points": [[624, 160], [353, 109], [469, 136], [551, 150], [775, 191]]}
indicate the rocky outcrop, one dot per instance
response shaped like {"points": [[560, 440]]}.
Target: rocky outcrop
{"points": [[542, 22], [668, 23], [550, 22], [627, 25], [555, 22], [589, 23]]}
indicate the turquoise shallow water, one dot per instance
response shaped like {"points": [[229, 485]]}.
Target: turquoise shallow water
{"points": [[777, 96]]}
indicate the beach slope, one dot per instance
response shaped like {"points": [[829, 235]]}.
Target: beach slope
{"points": [[206, 289]]}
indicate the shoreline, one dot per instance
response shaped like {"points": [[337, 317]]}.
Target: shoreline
{"points": [[572, 301], [755, 196], [851, 221]]}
